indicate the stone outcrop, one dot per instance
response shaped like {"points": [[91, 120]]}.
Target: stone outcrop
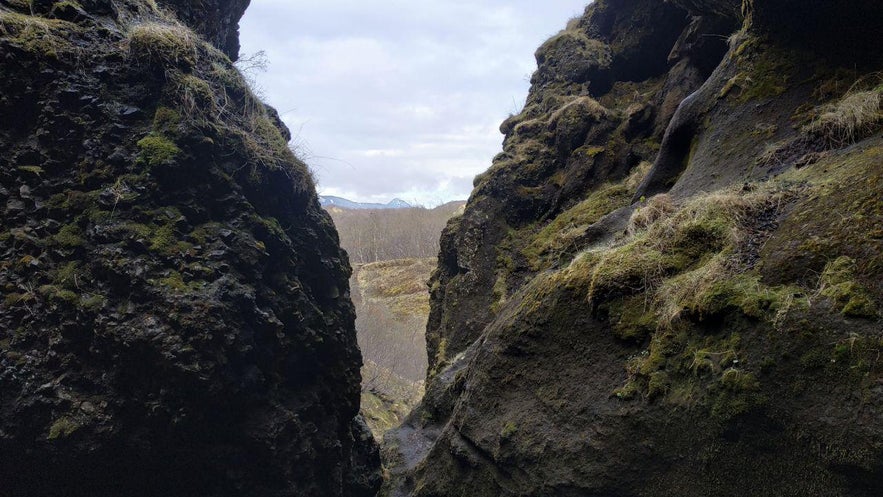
{"points": [[669, 281], [217, 21], [175, 315]]}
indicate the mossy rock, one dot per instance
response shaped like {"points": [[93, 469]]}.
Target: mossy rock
{"points": [[157, 150]]}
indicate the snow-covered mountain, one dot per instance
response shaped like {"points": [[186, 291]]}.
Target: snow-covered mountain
{"points": [[342, 203]]}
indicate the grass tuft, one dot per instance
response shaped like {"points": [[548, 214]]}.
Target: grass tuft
{"points": [[855, 116], [38, 35], [169, 45], [838, 284]]}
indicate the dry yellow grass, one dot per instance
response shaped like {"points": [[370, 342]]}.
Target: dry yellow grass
{"points": [[698, 235], [38, 35], [650, 212], [858, 114], [399, 284], [168, 44]]}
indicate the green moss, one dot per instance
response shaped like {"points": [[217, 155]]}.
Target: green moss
{"points": [[767, 74], [162, 238], [628, 391], [135, 231], [70, 236], [166, 121], [663, 345], [589, 151], [204, 233], [264, 141], [736, 380], [62, 428], [696, 238], [856, 355], [73, 201], [560, 237], [175, 281], [441, 354], [14, 298], [272, 226], [39, 36], [658, 384], [711, 356], [93, 302], [633, 318], [743, 293], [500, 294], [59, 295], [157, 150], [739, 393], [196, 94], [70, 275], [574, 44], [838, 284], [97, 216], [35, 170], [229, 78], [65, 5]]}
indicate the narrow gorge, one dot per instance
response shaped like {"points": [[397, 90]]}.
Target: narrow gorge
{"points": [[667, 284]]}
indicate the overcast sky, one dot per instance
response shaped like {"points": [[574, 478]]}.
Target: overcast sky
{"points": [[399, 98]]}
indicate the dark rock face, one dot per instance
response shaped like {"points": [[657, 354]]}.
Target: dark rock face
{"points": [[722, 8], [845, 34], [175, 314], [564, 134], [215, 20], [669, 281]]}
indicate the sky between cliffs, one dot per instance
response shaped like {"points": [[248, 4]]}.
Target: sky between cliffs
{"points": [[399, 98]]}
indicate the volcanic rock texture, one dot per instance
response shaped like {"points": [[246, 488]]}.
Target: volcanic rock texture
{"points": [[669, 282], [175, 315]]}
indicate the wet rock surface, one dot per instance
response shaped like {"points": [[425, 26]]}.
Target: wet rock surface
{"points": [[175, 314]]}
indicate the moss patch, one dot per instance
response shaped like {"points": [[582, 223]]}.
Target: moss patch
{"points": [[838, 284], [38, 35], [157, 150], [62, 428], [69, 236]]}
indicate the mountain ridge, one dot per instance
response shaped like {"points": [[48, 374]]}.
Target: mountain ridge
{"points": [[343, 203]]}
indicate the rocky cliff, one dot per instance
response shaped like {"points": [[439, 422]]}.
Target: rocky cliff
{"points": [[669, 281], [175, 315]]}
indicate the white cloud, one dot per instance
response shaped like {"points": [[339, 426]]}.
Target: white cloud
{"points": [[399, 98]]}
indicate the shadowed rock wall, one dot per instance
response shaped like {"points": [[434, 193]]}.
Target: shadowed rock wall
{"points": [[175, 315]]}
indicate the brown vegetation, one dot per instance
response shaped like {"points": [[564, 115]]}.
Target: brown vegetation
{"points": [[389, 234]]}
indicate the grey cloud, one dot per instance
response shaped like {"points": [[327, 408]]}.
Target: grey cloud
{"points": [[396, 98]]}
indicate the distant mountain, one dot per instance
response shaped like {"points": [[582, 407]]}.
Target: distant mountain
{"points": [[342, 203]]}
